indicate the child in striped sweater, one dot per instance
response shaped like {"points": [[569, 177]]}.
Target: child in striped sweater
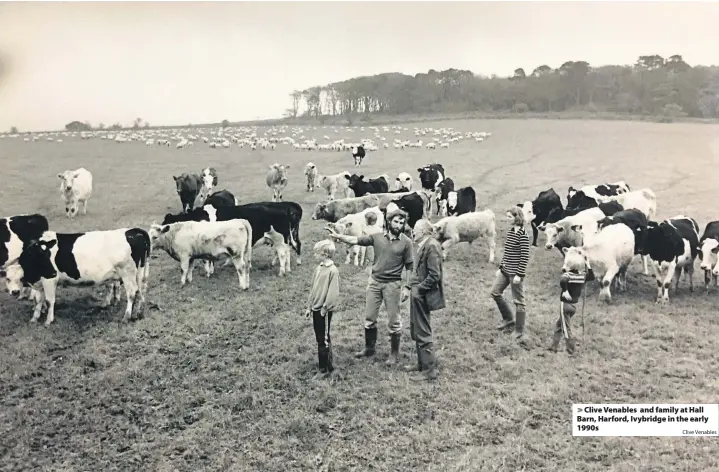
{"points": [[512, 270]]}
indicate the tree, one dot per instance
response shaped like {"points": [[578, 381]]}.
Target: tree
{"points": [[136, 124], [101, 125], [78, 126], [646, 87], [147, 124], [13, 130], [225, 123]]}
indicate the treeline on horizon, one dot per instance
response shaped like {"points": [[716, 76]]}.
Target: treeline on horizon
{"points": [[653, 86]]}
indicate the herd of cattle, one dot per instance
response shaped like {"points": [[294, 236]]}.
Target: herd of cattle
{"points": [[601, 228]]}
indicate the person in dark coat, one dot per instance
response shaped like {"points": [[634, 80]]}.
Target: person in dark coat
{"points": [[426, 296]]}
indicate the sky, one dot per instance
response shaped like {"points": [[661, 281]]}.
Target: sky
{"points": [[174, 63]]}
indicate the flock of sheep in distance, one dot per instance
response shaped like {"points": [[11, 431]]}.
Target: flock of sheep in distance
{"points": [[602, 227]]}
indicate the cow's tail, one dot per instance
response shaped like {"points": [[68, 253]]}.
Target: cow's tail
{"points": [[140, 248], [248, 248]]}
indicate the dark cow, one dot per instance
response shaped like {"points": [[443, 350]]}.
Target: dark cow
{"points": [[358, 154], [188, 188], [360, 187], [431, 175], [538, 212], [260, 216], [708, 249], [672, 245], [442, 193], [462, 201], [294, 214], [411, 204], [221, 198]]}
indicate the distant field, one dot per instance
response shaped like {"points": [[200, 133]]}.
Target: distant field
{"points": [[217, 379]]}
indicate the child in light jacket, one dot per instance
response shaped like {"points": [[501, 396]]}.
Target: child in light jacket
{"points": [[322, 301], [512, 270]]}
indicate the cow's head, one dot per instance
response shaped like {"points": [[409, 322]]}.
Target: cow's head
{"points": [[604, 222], [452, 200], [571, 191], [575, 260], [67, 180], [209, 182], [157, 234], [708, 255], [527, 209], [320, 211], [309, 169], [353, 180], [35, 263]]}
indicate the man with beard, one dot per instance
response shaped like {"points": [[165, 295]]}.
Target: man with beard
{"points": [[393, 252], [427, 295]]}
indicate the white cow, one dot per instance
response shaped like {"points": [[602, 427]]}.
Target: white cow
{"points": [[76, 189], [607, 254], [368, 221], [572, 230], [451, 230], [643, 200], [277, 180], [276, 240], [210, 240], [99, 257], [403, 181], [311, 175], [335, 183]]}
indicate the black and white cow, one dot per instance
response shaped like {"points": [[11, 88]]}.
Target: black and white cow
{"points": [[538, 211], [581, 201], [708, 249], [672, 245], [461, 201], [95, 257], [358, 154], [601, 190], [412, 204], [360, 187], [15, 232], [430, 176], [442, 194], [636, 221], [188, 188]]}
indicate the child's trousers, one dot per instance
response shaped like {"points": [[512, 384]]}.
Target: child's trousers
{"points": [[321, 326]]}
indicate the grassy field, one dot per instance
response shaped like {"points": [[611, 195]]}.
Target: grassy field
{"points": [[216, 379]]}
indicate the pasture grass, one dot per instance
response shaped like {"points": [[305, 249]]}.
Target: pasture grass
{"points": [[216, 379]]}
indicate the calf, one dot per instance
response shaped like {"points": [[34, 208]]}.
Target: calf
{"points": [[403, 182], [277, 180], [538, 211], [636, 221], [462, 201], [333, 210], [209, 182], [361, 187], [190, 240], [335, 183], [708, 249], [15, 232], [442, 194], [606, 255], [80, 258], [282, 249], [188, 188], [368, 221], [293, 211], [76, 189], [466, 228], [672, 245], [358, 154], [311, 176]]}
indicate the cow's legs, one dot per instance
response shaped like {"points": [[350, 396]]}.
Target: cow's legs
{"points": [[209, 268], [186, 268], [350, 251], [242, 271], [605, 293], [131, 289], [110, 296], [447, 244], [84, 207], [492, 247], [39, 304], [645, 261], [49, 287], [689, 271]]}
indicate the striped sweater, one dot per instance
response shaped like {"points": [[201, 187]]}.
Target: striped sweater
{"points": [[516, 253]]}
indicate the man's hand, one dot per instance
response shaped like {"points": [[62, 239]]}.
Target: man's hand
{"points": [[517, 280], [405, 295], [323, 311], [333, 233], [307, 313]]}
